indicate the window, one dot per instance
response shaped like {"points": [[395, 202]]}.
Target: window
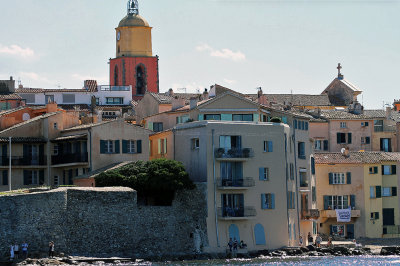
{"points": [[378, 125], [55, 125], [314, 194], [195, 144], [116, 83], [373, 170], [182, 119], [374, 215], [343, 125], [386, 145], [337, 230], [364, 124], [68, 98], [388, 169], [312, 165], [114, 100], [389, 191], [212, 117], [268, 146], [337, 178], [141, 80], [55, 149], [131, 146], [162, 146], [49, 99], [109, 146], [365, 140], [341, 138], [97, 101], [301, 150], [303, 177], [33, 177], [242, 117], [267, 201], [375, 192], [264, 174], [338, 202], [318, 144], [157, 126]]}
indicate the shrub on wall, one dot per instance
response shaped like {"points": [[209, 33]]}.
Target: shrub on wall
{"points": [[155, 181]]}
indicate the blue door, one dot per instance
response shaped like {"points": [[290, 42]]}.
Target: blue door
{"points": [[259, 234], [234, 232]]}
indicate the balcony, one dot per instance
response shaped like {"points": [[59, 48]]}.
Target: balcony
{"points": [[311, 214], [326, 214], [242, 183], [242, 213], [113, 88], [391, 229], [23, 161], [69, 158], [234, 154]]}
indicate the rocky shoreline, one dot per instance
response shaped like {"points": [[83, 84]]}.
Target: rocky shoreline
{"points": [[309, 251]]}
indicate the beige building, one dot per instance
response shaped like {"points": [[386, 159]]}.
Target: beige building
{"points": [[53, 149], [366, 182]]}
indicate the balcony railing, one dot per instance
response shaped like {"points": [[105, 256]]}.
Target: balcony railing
{"points": [[241, 212], [391, 229], [238, 183], [332, 213], [234, 153], [69, 158], [23, 161], [113, 88], [311, 214]]}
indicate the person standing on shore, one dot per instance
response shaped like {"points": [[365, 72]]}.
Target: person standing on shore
{"points": [[300, 241], [310, 239], [24, 247], [318, 241], [51, 249], [12, 253], [16, 251]]}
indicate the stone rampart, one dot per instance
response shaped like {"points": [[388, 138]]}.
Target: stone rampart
{"points": [[103, 222]]}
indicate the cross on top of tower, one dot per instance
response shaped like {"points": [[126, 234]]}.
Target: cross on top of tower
{"points": [[339, 67], [133, 7]]}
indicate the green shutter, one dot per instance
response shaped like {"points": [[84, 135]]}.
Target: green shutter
{"points": [[139, 146], [349, 138], [394, 191], [375, 169], [102, 146], [165, 146], [150, 126], [326, 145], [338, 139], [353, 201], [26, 177], [326, 202], [378, 191], [226, 117], [159, 146], [272, 201], [330, 178], [41, 177], [124, 146], [393, 169], [348, 177], [116, 148], [201, 117], [256, 117]]}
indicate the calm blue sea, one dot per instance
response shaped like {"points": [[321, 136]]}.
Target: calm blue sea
{"points": [[350, 260]]}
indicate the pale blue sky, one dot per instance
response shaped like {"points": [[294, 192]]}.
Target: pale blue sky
{"points": [[281, 45]]}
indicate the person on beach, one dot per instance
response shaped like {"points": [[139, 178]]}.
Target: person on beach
{"points": [[318, 241], [12, 253], [51, 249], [16, 251], [230, 244], [235, 245], [24, 247], [310, 239], [300, 241], [329, 244]]}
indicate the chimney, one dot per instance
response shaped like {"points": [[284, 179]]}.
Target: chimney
{"points": [[171, 92], [346, 152], [205, 94], [260, 92], [193, 103], [388, 112], [177, 103]]}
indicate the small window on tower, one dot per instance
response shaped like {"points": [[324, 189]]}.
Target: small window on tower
{"points": [[119, 49], [116, 75], [141, 81]]}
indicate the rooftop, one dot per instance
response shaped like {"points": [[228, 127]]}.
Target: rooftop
{"points": [[356, 157]]}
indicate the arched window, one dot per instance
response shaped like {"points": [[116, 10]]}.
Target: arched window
{"points": [[259, 234], [141, 80], [234, 232], [116, 75]]}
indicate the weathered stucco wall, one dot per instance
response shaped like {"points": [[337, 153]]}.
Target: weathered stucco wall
{"points": [[103, 222]]}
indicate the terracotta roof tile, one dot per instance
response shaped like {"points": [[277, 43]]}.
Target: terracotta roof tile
{"points": [[356, 157]]}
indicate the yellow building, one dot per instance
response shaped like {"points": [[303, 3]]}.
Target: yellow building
{"points": [[366, 182]]}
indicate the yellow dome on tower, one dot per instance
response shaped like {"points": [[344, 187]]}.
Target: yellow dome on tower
{"points": [[133, 21]]}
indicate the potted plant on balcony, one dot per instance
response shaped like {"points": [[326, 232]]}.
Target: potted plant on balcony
{"points": [[220, 152], [231, 153]]}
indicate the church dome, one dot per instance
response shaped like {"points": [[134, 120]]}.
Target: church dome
{"points": [[133, 21]]}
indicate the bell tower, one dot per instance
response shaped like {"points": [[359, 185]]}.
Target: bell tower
{"points": [[134, 63]]}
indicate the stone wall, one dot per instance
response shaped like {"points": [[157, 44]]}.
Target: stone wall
{"points": [[103, 222]]}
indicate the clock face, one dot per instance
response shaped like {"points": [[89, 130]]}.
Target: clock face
{"points": [[118, 36]]}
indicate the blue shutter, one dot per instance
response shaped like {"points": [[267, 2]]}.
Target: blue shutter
{"points": [[124, 146], [263, 201], [139, 146], [326, 202], [349, 138], [295, 123], [312, 165], [393, 169], [272, 201], [270, 146], [256, 117], [284, 119], [102, 146], [306, 126], [353, 201], [330, 178], [261, 173], [378, 191], [201, 117], [117, 149], [226, 117], [348, 177]]}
